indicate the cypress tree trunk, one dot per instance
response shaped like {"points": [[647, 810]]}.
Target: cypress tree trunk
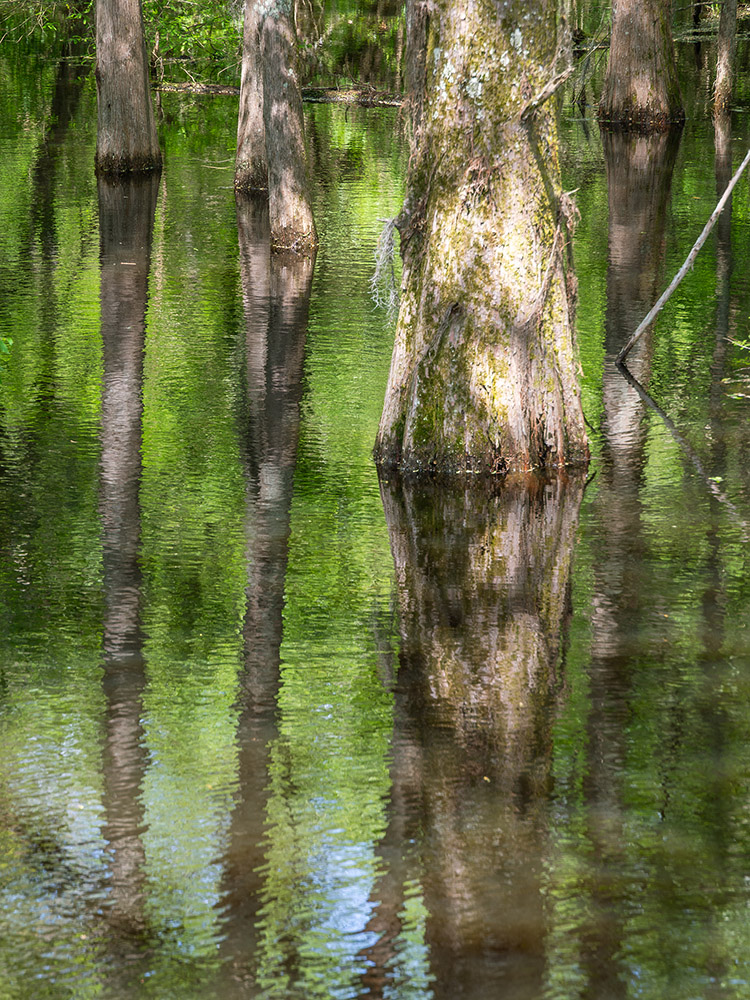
{"points": [[725, 59], [641, 89], [126, 129], [292, 224], [484, 371], [251, 167]]}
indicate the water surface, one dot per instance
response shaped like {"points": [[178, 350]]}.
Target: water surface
{"points": [[271, 728]]}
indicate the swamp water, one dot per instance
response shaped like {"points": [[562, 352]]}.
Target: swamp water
{"points": [[269, 729]]}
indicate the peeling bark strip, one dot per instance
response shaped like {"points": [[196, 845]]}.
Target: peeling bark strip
{"points": [[290, 212], [251, 168], [126, 140], [641, 89], [484, 375]]}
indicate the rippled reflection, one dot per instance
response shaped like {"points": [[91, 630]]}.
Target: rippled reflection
{"points": [[276, 296], [126, 220], [483, 592]]}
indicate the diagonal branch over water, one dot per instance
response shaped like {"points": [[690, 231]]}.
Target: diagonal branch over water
{"points": [[689, 260]]}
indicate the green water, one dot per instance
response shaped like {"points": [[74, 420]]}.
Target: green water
{"points": [[272, 729]]}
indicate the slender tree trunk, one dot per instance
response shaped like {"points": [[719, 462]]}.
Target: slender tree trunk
{"points": [[725, 59], [292, 224], [641, 89], [251, 167], [484, 370], [126, 136]]}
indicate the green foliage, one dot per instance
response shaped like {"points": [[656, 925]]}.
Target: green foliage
{"points": [[49, 25]]}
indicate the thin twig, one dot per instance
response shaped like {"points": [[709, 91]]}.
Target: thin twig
{"points": [[656, 309], [545, 93]]}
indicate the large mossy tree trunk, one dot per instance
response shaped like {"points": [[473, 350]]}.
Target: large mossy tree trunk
{"points": [[126, 140], [641, 89], [290, 209], [251, 165], [725, 58], [484, 374]]}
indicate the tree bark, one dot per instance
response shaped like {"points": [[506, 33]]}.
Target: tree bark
{"points": [[484, 370], [126, 139], [641, 89], [725, 58], [251, 167], [290, 211]]}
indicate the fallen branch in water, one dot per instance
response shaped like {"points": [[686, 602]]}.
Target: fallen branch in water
{"points": [[365, 97], [656, 309]]}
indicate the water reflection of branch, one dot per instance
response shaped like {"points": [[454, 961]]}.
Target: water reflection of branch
{"points": [[712, 485]]}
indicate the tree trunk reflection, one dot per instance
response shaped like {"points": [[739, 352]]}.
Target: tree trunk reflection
{"points": [[483, 591], [276, 295], [126, 219], [639, 178]]}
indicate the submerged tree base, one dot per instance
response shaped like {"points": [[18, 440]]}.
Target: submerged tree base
{"points": [[484, 373], [251, 177], [642, 121], [291, 240], [112, 165]]}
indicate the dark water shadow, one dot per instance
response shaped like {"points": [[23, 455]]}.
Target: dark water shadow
{"points": [[483, 595], [126, 221], [276, 296]]}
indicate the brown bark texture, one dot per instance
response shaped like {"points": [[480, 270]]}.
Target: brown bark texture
{"points": [[725, 58], [641, 90], [290, 210], [484, 374], [126, 140], [251, 166]]}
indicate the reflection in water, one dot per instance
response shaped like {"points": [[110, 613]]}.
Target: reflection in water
{"points": [[639, 180], [276, 295], [126, 219], [483, 591], [639, 184], [335, 804]]}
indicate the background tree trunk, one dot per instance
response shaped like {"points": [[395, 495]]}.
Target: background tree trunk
{"points": [[641, 89], [725, 58], [292, 224], [126, 138], [484, 371], [251, 167]]}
